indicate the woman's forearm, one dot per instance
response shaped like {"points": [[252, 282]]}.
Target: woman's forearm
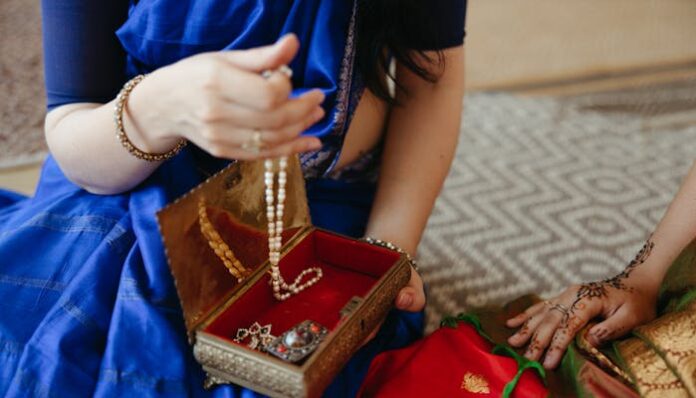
{"points": [[674, 232], [420, 143], [82, 139]]}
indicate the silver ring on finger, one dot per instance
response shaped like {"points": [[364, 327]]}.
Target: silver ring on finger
{"points": [[254, 144], [284, 69], [560, 308]]}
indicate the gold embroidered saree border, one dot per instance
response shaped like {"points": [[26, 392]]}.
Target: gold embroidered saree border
{"points": [[651, 375], [672, 338]]}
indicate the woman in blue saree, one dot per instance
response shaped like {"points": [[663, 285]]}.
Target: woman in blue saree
{"points": [[87, 303]]}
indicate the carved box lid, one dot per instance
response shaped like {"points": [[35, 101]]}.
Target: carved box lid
{"points": [[234, 203]]}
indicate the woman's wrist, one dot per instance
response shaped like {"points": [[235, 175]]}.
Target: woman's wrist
{"points": [[144, 122], [399, 240], [647, 277], [391, 246]]}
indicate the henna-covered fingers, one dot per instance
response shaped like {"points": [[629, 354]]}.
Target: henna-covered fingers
{"points": [[542, 335], [614, 326], [524, 316], [563, 336], [554, 324], [523, 335], [559, 342]]}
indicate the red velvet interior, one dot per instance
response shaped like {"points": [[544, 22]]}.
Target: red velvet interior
{"points": [[351, 268]]}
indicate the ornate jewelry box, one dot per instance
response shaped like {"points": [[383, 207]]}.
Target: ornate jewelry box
{"points": [[358, 287]]}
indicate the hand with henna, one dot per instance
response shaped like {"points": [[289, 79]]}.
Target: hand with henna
{"points": [[623, 302]]}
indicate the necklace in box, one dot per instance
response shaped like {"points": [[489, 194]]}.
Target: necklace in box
{"points": [[240, 331]]}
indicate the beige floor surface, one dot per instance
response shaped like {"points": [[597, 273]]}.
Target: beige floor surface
{"points": [[513, 42], [526, 44], [21, 179]]}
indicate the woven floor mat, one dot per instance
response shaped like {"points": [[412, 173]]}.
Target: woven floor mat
{"points": [[545, 192]]}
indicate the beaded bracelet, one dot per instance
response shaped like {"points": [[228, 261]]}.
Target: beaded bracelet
{"points": [[391, 246], [121, 101]]}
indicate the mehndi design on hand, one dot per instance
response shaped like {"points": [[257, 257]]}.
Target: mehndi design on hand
{"points": [[599, 289], [551, 325]]}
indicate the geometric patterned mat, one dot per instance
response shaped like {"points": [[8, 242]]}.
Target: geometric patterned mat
{"points": [[545, 192], [22, 103]]}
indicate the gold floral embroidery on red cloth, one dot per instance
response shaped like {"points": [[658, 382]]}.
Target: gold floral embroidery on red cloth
{"points": [[475, 383]]}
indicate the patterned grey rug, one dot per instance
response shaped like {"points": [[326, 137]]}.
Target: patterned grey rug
{"points": [[546, 192], [22, 104]]}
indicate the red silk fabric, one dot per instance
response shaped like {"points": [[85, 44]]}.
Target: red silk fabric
{"points": [[448, 363]]}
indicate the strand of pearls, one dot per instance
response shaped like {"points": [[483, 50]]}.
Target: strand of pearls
{"points": [[274, 213]]}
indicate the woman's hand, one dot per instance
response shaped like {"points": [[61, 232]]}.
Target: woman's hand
{"points": [[412, 296], [219, 101], [551, 325], [624, 302]]}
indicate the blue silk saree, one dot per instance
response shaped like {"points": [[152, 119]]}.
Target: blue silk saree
{"points": [[87, 303]]}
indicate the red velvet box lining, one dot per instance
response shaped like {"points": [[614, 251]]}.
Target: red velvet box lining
{"points": [[351, 268]]}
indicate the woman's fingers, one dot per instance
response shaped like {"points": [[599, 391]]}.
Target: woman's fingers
{"points": [[564, 335], [230, 144], [528, 328], [411, 297], [527, 321], [543, 331], [250, 89], [221, 136], [284, 134], [222, 81], [614, 326], [297, 145], [266, 57], [303, 108], [521, 318], [293, 110]]}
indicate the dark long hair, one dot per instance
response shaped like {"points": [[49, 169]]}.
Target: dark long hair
{"points": [[395, 29]]}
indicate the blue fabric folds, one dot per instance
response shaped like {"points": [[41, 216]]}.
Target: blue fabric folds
{"points": [[87, 302]]}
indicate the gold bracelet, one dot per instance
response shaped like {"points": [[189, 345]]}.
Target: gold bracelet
{"points": [[121, 101], [391, 246], [221, 249]]}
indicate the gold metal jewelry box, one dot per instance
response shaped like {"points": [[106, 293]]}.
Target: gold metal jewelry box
{"points": [[215, 305]]}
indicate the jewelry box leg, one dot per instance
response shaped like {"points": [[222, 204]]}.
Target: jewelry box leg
{"points": [[212, 382]]}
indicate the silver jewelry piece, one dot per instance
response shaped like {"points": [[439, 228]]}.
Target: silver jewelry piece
{"points": [[260, 336], [393, 247], [298, 342], [560, 308], [284, 69]]}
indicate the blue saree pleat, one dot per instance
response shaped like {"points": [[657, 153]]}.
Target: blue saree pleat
{"points": [[87, 303]]}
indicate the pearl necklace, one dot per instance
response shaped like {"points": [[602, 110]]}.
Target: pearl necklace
{"points": [[274, 213]]}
